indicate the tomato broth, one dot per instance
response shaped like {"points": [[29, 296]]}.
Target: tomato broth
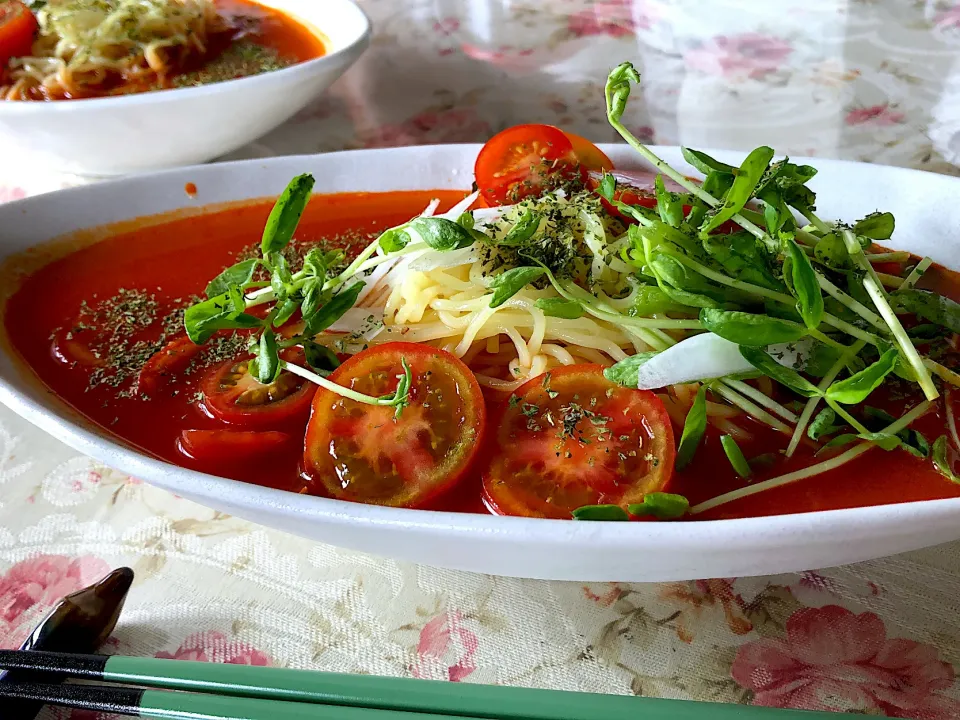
{"points": [[131, 285]]}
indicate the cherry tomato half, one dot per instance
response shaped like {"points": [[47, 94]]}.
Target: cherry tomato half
{"points": [[363, 453], [524, 160], [571, 438], [589, 155], [233, 395], [170, 361], [231, 447], [17, 28]]}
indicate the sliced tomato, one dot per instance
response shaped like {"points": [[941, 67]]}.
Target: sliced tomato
{"points": [[167, 363], [231, 447], [524, 160], [571, 438], [233, 395], [17, 29], [589, 155], [363, 453], [633, 188], [73, 346]]}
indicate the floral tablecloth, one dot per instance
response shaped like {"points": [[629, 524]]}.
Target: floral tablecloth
{"points": [[876, 80]]}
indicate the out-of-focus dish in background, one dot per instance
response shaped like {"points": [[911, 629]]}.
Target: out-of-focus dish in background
{"points": [[190, 81]]}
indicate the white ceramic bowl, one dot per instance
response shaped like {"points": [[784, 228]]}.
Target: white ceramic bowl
{"points": [[928, 219], [172, 128]]}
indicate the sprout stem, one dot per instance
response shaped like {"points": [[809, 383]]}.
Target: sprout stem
{"points": [[817, 469], [825, 382]]}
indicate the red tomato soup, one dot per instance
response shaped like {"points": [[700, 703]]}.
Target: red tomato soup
{"points": [[102, 328]]}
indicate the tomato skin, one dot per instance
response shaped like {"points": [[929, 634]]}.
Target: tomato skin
{"points": [[171, 360], [521, 161], [363, 453], [231, 447], [231, 395], [17, 29], [590, 156], [632, 188], [571, 438]]}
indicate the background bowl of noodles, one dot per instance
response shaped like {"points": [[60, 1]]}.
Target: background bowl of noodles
{"points": [[125, 102]]}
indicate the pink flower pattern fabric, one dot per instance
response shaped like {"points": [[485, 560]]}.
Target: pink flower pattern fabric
{"points": [[834, 660], [214, 646], [748, 55], [445, 650], [31, 587]]}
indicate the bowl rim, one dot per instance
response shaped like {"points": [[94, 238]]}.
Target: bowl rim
{"points": [[339, 53], [809, 528]]}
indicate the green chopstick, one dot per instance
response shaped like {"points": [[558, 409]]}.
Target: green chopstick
{"points": [[360, 697]]}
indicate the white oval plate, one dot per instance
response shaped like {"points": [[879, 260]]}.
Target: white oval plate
{"points": [[928, 221], [171, 128]]}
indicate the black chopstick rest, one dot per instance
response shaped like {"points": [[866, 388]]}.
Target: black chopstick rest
{"points": [[79, 623]]}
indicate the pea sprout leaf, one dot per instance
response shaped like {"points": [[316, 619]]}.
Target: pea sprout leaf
{"points": [[332, 311], [522, 230], [560, 308], [239, 274], [735, 456], [509, 283], [669, 204], [741, 191], [201, 320], [285, 215], [876, 226], [832, 252], [268, 357], [933, 307], [314, 296], [600, 512], [912, 440], [661, 505], [856, 388], [804, 285], [823, 424], [625, 372], [707, 164], [393, 239], [319, 357], [783, 375], [941, 459], [749, 328], [694, 426], [284, 311], [650, 299], [440, 234]]}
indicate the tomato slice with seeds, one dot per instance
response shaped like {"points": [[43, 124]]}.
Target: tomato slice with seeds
{"points": [[524, 160], [17, 28], [364, 453], [166, 364], [588, 154], [571, 438], [231, 447], [233, 395]]}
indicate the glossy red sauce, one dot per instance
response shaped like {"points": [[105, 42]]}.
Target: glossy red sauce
{"points": [[176, 259]]}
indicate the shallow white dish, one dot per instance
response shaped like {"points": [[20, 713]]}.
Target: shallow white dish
{"points": [[551, 549], [171, 128]]}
